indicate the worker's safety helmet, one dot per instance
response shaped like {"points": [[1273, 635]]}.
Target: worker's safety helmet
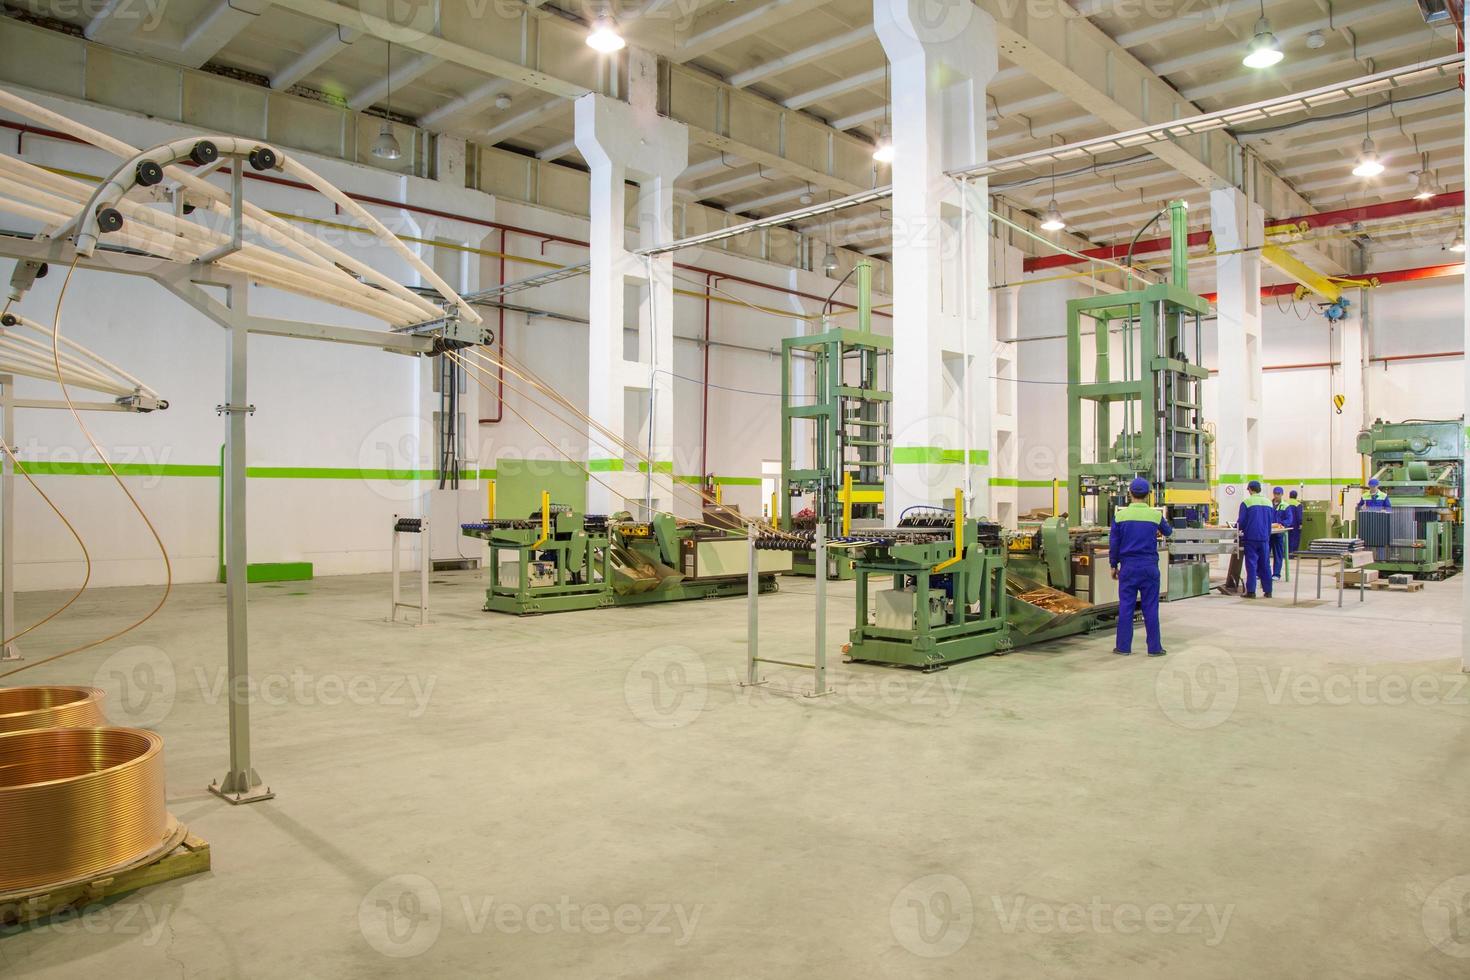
{"points": [[1276, 490], [1254, 486], [1139, 487], [1292, 495], [1373, 482]]}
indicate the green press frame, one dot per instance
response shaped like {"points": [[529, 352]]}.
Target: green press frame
{"points": [[852, 420], [1161, 383]]}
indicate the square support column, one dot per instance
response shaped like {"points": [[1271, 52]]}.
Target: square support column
{"points": [[1238, 224], [1005, 438], [630, 388], [942, 331]]}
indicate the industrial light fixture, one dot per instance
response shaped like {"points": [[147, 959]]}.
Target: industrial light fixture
{"points": [[502, 101], [1264, 50], [883, 149], [1316, 40], [1424, 188], [829, 260], [1368, 164], [1458, 245], [1052, 219], [604, 36], [806, 196], [386, 147]]}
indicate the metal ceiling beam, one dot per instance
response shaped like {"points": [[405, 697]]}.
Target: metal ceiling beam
{"points": [[331, 12], [401, 75], [128, 26], [713, 31], [839, 87], [1177, 130], [832, 45], [736, 184], [1231, 53], [530, 119], [1411, 43], [564, 148], [333, 43], [471, 101]]}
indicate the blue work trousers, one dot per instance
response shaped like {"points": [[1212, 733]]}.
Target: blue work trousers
{"points": [[1138, 588], [1257, 565]]}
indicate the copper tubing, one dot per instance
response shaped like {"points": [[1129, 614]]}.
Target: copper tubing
{"points": [[23, 708], [77, 802]]}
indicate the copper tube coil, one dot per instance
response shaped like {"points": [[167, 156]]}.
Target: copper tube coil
{"points": [[76, 802], [50, 706]]}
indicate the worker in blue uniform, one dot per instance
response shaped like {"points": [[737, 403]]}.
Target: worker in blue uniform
{"points": [[1375, 498], [1299, 518], [1254, 524], [1133, 552], [1285, 515]]}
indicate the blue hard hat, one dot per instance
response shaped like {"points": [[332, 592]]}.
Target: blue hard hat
{"points": [[1373, 482], [1277, 490], [1254, 486], [1139, 486], [1292, 494]]}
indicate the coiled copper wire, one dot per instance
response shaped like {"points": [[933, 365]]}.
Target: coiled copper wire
{"points": [[53, 706], [76, 802]]}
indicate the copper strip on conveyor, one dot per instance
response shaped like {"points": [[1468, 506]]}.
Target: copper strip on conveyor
{"points": [[78, 802], [53, 706]]}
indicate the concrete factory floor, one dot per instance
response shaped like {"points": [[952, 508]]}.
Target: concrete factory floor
{"points": [[593, 794]]}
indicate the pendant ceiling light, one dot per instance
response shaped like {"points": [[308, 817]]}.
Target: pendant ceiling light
{"points": [[1264, 50], [386, 147]]}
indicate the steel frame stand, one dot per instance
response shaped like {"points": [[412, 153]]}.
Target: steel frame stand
{"points": [[752, 623], [241, 782], [419, 526]]}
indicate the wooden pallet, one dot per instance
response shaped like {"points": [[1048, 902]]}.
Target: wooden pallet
{"points": [[1384, 585], [182, 855]]}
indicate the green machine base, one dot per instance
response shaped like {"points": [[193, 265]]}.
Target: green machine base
{"points": [[1433, 571], [1188, 580], [597, 597]]}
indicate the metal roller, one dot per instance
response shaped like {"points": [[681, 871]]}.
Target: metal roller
{"points": [[78, 802], [23, 708]]}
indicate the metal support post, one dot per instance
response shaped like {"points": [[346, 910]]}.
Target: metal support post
{"points": [[7, 519], [820, 685], [241, 784], [419, 526], [752, 614]]}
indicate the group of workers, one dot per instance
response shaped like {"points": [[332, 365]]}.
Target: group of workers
{"points": [[1263, 546], [1268, 528]]}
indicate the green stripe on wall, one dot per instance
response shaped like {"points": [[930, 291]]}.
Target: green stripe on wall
{"points": [[935, 456], [49, 468]]}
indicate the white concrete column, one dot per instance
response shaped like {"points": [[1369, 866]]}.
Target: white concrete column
{"points": [[943, 336], [1005, 439], [1237, 224], [630, 388]]}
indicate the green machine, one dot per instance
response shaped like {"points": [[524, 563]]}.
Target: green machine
{"points": [[1420, 465], [566, 561], [845, 425], [952, 597], [1318, 521], [561, 559], [1147, 419]]}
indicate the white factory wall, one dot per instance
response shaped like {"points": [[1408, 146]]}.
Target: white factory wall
{"points": [[325, 412], [1306, 439]]}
